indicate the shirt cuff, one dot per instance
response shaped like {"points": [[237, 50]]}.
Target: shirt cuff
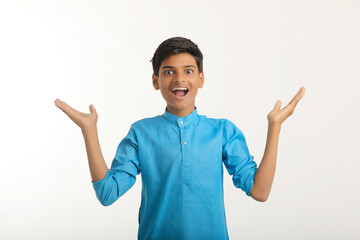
{"points": [[98, 183]]}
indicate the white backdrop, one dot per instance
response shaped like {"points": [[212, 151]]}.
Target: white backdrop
{"points": [[255, 52]]}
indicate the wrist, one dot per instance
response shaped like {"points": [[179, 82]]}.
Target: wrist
{"points": [[89, 129], [274, 125]]}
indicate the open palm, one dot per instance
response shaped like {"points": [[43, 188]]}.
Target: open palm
{"points": [[277, 116], [81, 119]]}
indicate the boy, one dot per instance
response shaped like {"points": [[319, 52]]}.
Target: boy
{"points": [[180, 154]]}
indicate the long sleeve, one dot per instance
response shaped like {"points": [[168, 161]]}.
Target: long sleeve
{"points": [[122, 174], [237, 159]]}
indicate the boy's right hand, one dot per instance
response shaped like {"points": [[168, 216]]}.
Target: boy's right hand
{"points": [[83, 120]]}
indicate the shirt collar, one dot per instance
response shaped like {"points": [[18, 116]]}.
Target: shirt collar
{"points": [[184, 121]]}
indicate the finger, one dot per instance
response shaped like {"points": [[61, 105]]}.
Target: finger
{"points": [[59, 104], [297, 97], [289, 109], [92, 109], [277, 105], [62, 105], [299, 94], [66, 108]]}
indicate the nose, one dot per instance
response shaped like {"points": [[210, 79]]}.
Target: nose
{"points": [[180, 77]]}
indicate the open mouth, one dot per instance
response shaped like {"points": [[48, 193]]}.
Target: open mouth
{"points": [[180, 92]]}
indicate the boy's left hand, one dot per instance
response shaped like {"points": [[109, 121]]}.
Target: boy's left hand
{"points": [[277, 116]]}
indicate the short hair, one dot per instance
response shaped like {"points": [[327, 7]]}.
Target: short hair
{"points": [[174, 46]]}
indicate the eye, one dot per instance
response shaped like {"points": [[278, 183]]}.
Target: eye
{"points": [[168, 72], [189, 71]]}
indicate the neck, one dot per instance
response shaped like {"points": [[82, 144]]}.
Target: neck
{"points": [[180, 112]]}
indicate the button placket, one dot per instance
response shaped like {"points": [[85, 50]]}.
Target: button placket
{"points": [[185, 147]]}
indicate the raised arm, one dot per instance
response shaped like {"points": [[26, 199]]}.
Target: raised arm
{"points": [[265, 174], [87, 123]]}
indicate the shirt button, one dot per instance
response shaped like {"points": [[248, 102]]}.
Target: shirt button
{"points": [[181, 122], [185, 143]]}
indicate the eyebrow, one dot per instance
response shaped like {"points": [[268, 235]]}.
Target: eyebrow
{"points": [[186, 66]]}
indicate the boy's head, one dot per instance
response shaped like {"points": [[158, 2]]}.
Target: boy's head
{"points": [[173, 46], [178, 74]]}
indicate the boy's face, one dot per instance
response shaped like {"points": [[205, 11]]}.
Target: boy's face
{"points": [[179, 80]]}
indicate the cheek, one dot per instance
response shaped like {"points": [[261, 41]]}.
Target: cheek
{"points": [[194, 92], [165, 93]]}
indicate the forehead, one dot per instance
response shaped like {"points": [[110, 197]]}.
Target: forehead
{"points": [[179, 60]]}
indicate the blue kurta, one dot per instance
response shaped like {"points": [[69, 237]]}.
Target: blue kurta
{"points": [[181, 164]]}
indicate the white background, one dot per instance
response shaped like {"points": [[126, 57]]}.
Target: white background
{"points": [[255, 52]]}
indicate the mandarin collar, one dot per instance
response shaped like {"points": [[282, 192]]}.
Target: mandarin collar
{"points": [[184, 121]]}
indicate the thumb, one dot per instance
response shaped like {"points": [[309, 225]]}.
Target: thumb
{"points": [[92, 108], [277, 105]]}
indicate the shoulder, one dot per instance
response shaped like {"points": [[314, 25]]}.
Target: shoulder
{"points": [[223, 123], [147, 122], [212, 121], [143, 126], [148, 125], [231, 131], [224, 126]]}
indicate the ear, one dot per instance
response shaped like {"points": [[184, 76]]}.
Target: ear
{"points": [[201, 79], [155, 81]]}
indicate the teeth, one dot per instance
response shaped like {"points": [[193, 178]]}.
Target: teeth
{"points": [[179, 89]]}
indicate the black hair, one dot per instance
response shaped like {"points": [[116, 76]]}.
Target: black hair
{"points": [[174, 46]]}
